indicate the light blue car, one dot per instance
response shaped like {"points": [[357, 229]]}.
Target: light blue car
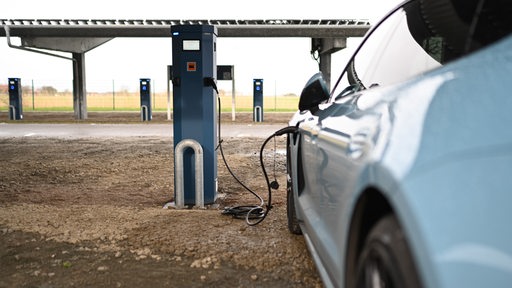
{"points": [[402, 175]]}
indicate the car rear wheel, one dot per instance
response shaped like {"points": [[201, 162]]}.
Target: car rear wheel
{"points": [[386, 260], [293, 222]]}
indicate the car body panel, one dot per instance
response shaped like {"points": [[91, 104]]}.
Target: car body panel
{"points": [[462, 167], [439, 148]]}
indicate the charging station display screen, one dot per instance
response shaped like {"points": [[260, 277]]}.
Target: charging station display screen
{"points": [[191, 45]]}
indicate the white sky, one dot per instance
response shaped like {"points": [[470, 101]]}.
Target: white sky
{"points": [[284, 63]]}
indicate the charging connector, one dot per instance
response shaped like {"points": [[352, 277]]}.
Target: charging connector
{"points": [[209, 81]]}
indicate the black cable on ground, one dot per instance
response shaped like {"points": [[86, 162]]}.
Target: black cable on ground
{"points": [[251, 212], [256, 212], [245, 211]]}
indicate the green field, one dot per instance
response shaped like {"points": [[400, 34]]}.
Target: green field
{"points": [[131, 102]]}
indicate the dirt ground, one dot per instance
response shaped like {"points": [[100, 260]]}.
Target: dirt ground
{"points": [[89, 213]]}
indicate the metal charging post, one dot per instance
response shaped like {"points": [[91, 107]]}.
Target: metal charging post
{"points": [[257, 100], [194, 113], [15, 99], [145, 100]]}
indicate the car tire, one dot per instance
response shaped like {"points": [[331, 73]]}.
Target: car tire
{"points": [[291, 214], [293, 222], [386, 259]]}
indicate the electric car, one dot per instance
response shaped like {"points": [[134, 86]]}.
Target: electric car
{"points": [[401, 176]]}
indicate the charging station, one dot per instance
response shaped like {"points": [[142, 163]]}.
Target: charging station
{"points": [[257, 92], [194, 114], [145, 99], [15, 99]]}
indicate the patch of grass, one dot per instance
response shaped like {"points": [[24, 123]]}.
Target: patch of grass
{"points": [[106, 102]]}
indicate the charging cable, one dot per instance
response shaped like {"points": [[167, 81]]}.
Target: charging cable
{"points": [[257, 213], [253, 214]]}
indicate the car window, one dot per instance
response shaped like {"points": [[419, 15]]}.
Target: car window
{"points": [[398, 48], [420, 36]]}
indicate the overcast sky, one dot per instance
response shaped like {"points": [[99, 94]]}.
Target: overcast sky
{"points": [[285, 64]]}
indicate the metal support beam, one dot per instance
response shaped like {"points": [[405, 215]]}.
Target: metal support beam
{"points": [[325, 68], [79, 91], [64, 44], [78, 49], [71, 28], [323, 48], [77, 46]]}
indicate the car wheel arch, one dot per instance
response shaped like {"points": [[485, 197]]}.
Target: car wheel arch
{"points": [[372, 205]]}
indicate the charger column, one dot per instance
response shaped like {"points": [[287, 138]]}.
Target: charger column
{"points": [[257, 100], [194, 70], [145, 100], [15, 99]]}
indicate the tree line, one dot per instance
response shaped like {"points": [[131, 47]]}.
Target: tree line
{"points": [[48, 90]]}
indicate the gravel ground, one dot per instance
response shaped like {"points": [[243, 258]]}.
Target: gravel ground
{"points": [[88, 213]]}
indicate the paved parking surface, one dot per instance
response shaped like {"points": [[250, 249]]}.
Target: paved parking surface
{"points": [[124, 130]]}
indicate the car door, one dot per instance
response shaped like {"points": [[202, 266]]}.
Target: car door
{"points": [[317, 198], [339, 140]]}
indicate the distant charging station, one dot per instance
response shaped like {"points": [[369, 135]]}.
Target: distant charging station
{"points": [[145, 99], [15, 99], [194, 71], [257, 93]]}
